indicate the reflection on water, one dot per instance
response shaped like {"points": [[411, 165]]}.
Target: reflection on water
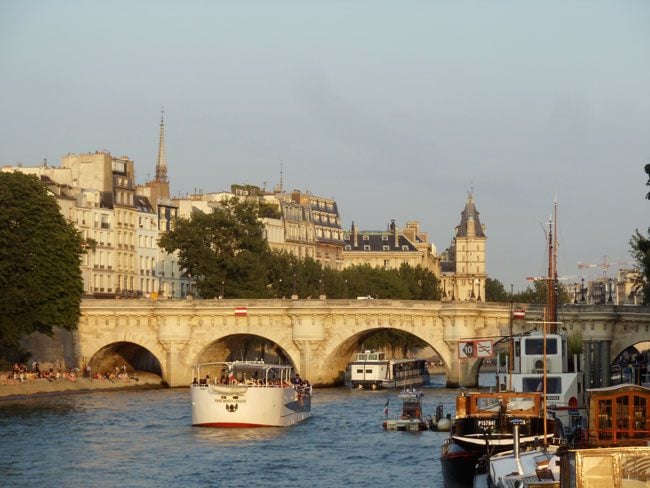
{"points": [[236, 436]]}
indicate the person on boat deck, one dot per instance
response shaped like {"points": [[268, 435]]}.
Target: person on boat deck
{"points": [[207, 378], [296, 380]]}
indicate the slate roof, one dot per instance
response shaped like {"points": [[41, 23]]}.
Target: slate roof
{"points": [[376, 240], [469, 212]]}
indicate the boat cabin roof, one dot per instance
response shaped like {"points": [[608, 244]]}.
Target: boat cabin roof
{"points": [[245, 365]]}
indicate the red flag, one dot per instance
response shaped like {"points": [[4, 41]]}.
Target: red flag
{"points": [[241, 311], [519, 314]]}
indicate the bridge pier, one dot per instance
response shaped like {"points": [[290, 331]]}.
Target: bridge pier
{"points": [[463, 373]]}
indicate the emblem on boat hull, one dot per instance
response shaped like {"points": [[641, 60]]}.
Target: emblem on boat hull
{"points": [[232, 408]]}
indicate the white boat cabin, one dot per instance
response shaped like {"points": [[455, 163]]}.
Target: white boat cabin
{"points": [[536, 356]]}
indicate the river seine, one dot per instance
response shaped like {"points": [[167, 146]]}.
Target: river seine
{"points": [[144, 438]]}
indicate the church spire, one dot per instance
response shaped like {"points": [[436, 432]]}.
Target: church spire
{"points": [[161, 165]]}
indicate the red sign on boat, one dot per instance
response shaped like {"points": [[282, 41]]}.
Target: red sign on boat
{"points": [[519, 314], [241, 311]]}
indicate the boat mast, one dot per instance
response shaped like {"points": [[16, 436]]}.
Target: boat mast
{"points": [[551, 315]]}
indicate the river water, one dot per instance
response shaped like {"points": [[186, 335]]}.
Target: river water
{"points": [[144, 438]]}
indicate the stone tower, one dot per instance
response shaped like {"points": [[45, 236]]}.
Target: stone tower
{"points": [[463, 265]]}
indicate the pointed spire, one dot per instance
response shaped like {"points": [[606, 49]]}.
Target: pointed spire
{"points": [[161, 165]]}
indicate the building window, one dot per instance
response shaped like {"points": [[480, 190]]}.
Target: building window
{"points": [[348, 248], [366, 248], [366, 237], [384, 238], [405, 248], [386, 248]]}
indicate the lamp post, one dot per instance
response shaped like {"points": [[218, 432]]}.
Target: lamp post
{"points": [[582, 290], [478, 286], [472, 296], [223, 290], [609, 300], [279, 287], [293, 295], [575, 293]]}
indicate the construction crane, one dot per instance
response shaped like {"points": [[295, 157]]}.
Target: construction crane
{"points": [[605, 265]]}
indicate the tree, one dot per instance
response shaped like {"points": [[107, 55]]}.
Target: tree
{"points": [[640, 245], [225, 246], [40, 278], [495, 291]]}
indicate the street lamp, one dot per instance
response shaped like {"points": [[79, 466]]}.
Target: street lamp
{"points": [[610, 292], [279, 286], [582, 290], [223, 289], [478, 285], [294, 286]]}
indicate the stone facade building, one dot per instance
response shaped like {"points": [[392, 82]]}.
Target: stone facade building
{"points": [[118, 222]]}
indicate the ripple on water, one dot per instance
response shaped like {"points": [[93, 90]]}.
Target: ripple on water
{"points": [[144, 438]]}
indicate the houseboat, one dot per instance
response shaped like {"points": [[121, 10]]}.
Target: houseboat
{"points": [[371, 370]]}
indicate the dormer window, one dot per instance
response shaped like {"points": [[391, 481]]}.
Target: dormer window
{"points": [[405, 248], [348, 248], [366, 248], [366, 237], [386, 248], [384, 238]]}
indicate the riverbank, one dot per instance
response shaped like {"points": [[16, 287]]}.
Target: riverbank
{"points": [[42, 387]]}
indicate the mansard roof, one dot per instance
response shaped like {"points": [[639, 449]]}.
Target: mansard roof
{"points": [[376, 240], [143, 204], [469, 213]]}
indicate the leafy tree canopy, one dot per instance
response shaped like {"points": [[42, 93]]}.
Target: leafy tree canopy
{"points": [[40, 278], [495, 291], [640, 245]]}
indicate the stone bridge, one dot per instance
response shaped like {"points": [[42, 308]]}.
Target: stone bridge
{"points": [[318, 336]]}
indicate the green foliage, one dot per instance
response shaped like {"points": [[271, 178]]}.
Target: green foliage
{"points": [[40, 279], [226, 250], [640, 245], [538, 293], [495, 291], [641, 253], [225, 246]]}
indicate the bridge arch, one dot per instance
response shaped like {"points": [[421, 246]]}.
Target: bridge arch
{"points": [[129, 354], [244, 346], [335, 358]]}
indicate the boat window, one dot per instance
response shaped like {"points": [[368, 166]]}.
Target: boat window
{"points": [[362, 357], [368, 370], [372, 357], [640, 412], [622, 417], [360, 371], [535, 383], [536, 346], [604, 419]]}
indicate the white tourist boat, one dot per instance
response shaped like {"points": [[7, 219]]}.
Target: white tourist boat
{"points": [[248, 394], [371, 370]]}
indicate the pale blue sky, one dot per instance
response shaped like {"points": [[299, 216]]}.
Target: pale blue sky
{"points": [[395, 109]]}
